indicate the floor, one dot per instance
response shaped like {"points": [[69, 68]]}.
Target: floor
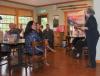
{"points": [[61, 64]]}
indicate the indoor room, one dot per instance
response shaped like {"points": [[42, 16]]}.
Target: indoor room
{"points": [[49, 38]]}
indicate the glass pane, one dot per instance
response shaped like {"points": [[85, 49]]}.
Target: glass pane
{"points": [[0, 26], [7, 19], [24, 20], [44, 22], [4, 25]]}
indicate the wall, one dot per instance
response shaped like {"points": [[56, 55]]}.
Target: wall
{"points": [[52, 10]]}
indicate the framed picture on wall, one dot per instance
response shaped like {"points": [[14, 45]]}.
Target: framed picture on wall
{"points": [[56, 21]]}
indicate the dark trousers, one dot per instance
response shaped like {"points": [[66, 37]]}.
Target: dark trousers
{"points": [[92, 52]]}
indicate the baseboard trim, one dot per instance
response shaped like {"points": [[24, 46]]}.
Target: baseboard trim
{"points": [[97, 61]]}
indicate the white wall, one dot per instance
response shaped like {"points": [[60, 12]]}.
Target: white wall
{"points": [[51, 11], [97, 15]]}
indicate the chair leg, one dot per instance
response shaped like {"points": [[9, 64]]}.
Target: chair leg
{"points": [[27, 63], [9, 65], [45, 58]]}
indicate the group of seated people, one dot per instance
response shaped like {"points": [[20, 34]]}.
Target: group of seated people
{"points": [[33, 32]]}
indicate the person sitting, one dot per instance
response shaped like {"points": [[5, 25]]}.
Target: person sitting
{"points": [[13, 33], [13, 30], [49, 35], [78, 43], [31, 35]]}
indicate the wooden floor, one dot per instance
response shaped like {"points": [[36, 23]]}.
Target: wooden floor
{"points": [[60, 65]]}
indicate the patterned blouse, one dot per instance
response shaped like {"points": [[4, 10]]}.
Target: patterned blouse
{"points": [[33, 36]]}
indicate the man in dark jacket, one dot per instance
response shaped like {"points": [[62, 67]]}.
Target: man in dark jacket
{"points": [[48, 34]]}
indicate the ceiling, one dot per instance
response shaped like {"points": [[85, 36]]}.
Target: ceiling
{"points": [[41, 2]]}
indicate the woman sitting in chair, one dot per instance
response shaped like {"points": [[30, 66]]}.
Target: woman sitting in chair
{"points": [[31, 35]]}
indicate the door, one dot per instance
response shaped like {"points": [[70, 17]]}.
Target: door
{"points": [[42, 19]]}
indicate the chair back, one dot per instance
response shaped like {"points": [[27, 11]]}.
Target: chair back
{"points": [[37, 43], [40, 43]]}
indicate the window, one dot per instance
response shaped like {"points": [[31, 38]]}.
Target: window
{"points": [[4, 23], [42, 19], [44, 22], [24, 20], [14, 15]]}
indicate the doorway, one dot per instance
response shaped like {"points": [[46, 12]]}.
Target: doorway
{"points": [[42, 19]]}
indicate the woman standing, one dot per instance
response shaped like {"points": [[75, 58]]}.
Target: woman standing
{"points": [[92, 36]]}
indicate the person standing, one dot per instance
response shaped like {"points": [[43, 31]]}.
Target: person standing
{"points": [[92, 36]]}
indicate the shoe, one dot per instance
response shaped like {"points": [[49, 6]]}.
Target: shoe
{"points": [[90, 66]]}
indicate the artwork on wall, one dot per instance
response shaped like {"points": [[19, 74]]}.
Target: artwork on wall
{"points": [[56, 21], [60, 28], [72, 19]]}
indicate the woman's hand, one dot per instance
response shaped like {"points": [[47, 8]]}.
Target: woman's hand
{"points": [[82, 28]]}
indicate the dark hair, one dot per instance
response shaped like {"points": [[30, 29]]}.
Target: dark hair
{"points": [[28, 28], [41, 26], [37, 23], [0, 18], [90, 11], [47, 24]]}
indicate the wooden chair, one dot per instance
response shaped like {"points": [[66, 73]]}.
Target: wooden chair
{"points": [[33, 60], [84, 51], [41, 43], [69, 45]]}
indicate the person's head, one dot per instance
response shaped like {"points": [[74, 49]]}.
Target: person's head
{"points": [[37, 26], [0, 18], [41, 27], [90, 12], [47, 26], [12, 26], [30, 26]]}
